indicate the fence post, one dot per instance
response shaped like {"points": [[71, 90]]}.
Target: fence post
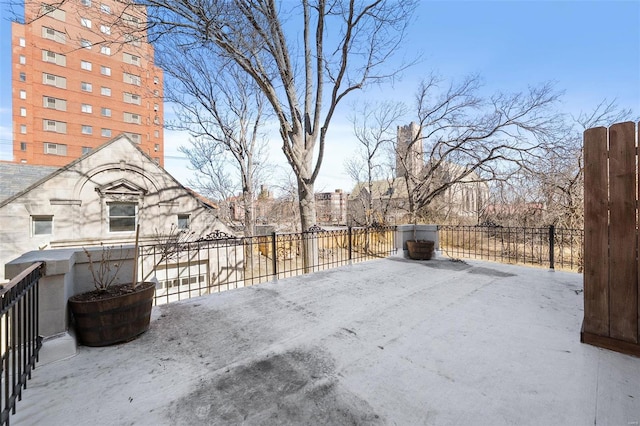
{"points": [[552, 239], [274, 257], [349, 243]]}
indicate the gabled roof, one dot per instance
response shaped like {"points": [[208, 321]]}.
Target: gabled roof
{"points": [[121, 186], [35, 177], [16, 177], [202, 199], [392, 188]]}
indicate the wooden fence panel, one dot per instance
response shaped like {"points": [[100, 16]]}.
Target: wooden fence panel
{"points": [[638, 228], [623, 266], [611, 279], [596, 235]]}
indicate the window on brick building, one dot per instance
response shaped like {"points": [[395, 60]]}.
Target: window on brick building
{"points": [[55, 149]]}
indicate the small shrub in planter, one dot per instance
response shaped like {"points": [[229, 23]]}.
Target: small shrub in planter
{"points": [[111, 313]]}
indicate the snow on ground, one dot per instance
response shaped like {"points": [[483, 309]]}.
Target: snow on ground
{"points": [[383, 342]]}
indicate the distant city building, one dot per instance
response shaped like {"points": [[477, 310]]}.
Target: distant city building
{"points": [[409, 150], [331, 207], [387, 201], [82, 73]]}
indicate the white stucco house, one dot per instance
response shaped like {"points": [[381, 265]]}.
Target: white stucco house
{"points": [[96, 199]]}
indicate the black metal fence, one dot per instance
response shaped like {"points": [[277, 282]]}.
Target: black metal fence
{"points": [[549, 246], [19, 337], [221, 262]]}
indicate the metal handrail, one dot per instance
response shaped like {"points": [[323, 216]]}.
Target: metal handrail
{"points": [[19, 337], [550, 246], [221, 262]]}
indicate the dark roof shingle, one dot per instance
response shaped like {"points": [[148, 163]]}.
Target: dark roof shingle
{"points": [[16, 177]]}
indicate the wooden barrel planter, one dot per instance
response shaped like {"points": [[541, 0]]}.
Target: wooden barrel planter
{"points": [[106, 319], [421, 249]]}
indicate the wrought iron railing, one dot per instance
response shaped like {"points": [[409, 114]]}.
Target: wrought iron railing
{"points": [[19, 337], [548, 246], [220, 262]]}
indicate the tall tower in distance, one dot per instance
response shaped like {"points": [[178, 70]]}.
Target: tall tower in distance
{"points": [[409, 158], [83, 73]]}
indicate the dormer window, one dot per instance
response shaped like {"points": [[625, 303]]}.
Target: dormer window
{"points": [[122, 199]]}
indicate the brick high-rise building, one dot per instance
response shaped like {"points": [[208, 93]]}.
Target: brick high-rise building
{"points": [[83, 73]]}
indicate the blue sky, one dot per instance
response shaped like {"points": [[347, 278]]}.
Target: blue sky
{"points": [[590, 49]]}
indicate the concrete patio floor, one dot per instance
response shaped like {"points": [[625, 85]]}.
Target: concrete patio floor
{"points": [[389, 341]]}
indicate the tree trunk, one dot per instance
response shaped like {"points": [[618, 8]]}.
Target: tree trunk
{"points": [[249, 219], [307, 204]]}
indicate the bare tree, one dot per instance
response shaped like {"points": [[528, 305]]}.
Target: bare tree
{"points": [[375, 131], [558, 174], [223, 111], [466, 138], [286, 49]]}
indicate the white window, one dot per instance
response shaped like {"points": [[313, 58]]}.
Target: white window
{"points": [[131, 98], [54, 12], [156, 147], [87, 130], [106, 133], [105, 29], [55, 58], [105, 50], [55, 149], [105, 91], [105, 70], [183, 221], [128, 58], [131, 20], [85, 43], [135, 137], [156, 80], [86, 3], [156, 93], [54, 103], [23, 94], [122, 217], [54, 80], [23, 112], [22, 59], [131, 78], [54, 126], [132, 40], [86, 150], [156, 107], [23, 129], [105, 9], [105, 112], [85, 22], [131, 118], [42, 225], [156, 133], [87, 108], [55, 35], [86, 87], [85, 65], [22, 42]]}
